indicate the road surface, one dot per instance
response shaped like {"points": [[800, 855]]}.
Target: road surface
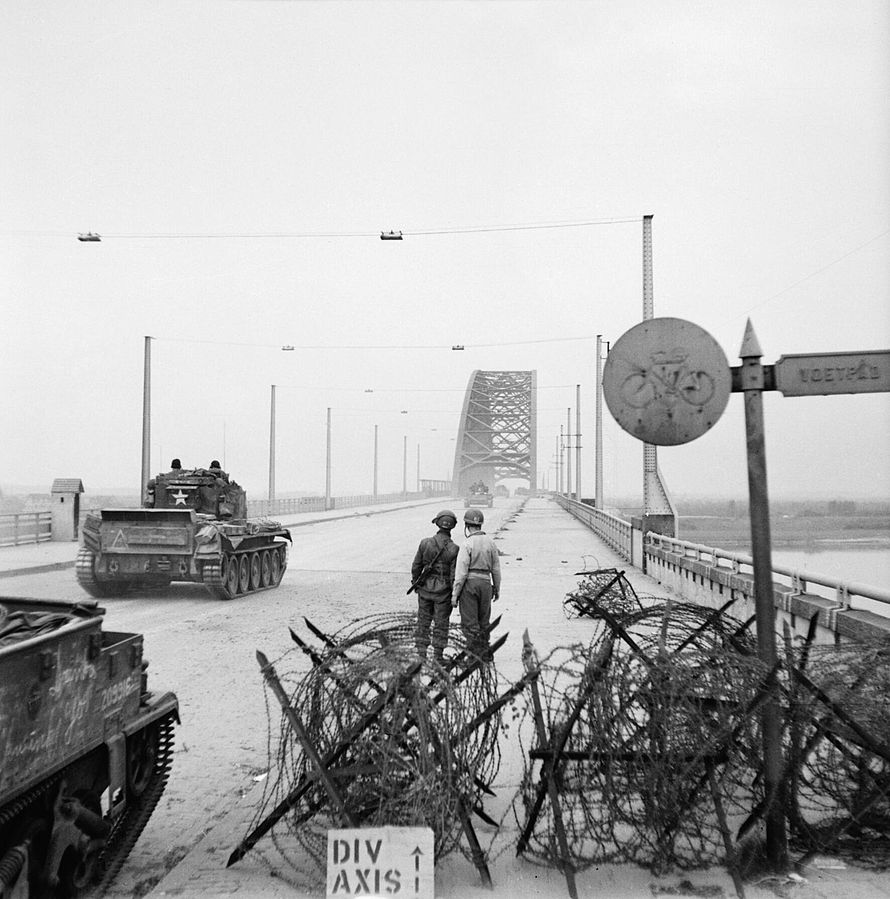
{"points": [[204, 650]]}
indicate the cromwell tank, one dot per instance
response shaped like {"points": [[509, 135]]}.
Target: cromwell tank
{"points": [[194, 527], [479, 495], [85, 748]]}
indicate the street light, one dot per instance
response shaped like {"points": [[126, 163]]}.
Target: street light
{"points": [[146, 416], [272, 450]]}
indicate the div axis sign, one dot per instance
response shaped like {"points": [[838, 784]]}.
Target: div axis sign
{"points": [[381, 861]]}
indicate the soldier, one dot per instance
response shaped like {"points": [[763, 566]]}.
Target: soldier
{"points": [[216, 470], [477, 583], [432, 574]]}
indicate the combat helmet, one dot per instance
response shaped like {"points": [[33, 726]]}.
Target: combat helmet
{"points": [[474, 516], [451, 520]]}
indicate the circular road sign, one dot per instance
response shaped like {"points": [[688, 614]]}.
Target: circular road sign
{"points": [[666, 381]]}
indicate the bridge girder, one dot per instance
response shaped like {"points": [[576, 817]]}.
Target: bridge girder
{"points": [[497, 438]]}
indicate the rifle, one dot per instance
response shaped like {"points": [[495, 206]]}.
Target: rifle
{"points": [[426, 571]]}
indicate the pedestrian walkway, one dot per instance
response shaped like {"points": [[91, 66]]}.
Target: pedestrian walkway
{"points": [[34, 558]]}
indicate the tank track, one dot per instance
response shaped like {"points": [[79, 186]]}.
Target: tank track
{"points": [[131, 823], [225, 588], [86, 575], [19, 805]]}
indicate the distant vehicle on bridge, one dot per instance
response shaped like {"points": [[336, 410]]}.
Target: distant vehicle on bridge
{"points": [[502, 490], [479, 495], [194, 527]]}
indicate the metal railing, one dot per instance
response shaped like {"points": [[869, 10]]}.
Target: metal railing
{"points": [[797, 579], [614, 531], [25, 527], [263, 508], [36, 527]]}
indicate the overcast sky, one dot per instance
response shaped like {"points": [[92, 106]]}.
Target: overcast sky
{"points": [[239, 160]]}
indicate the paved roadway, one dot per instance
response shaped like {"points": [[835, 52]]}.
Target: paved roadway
{"points": [[357, 565]]}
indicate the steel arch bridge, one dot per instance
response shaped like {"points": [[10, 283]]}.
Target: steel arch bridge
{"points": [[497, 438]]}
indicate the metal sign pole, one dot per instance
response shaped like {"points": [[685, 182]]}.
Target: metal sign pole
{"points": [[752, 385], [667, 382]]}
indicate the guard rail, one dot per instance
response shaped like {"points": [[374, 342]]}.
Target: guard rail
{"points": [[616, 532], [25, 527], [798, 580]]}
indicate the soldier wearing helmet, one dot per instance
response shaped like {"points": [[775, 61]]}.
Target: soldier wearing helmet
{"points": [[432, 574], [477, 583]]}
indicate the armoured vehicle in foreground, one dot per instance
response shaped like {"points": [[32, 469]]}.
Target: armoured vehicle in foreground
{"points": [[194, 527], [85, 748], [479, 495]]}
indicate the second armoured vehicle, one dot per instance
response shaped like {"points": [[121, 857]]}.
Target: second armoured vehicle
{"points": [[85, 747], [194, 527]]}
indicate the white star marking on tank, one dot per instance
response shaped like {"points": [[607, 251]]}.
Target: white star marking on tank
{"points": [[180, 498]]}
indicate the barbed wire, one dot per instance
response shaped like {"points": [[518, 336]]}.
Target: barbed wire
{"points": [[419, 762]]}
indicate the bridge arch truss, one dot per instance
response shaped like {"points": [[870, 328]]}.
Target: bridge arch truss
{"points": [[497, 438]]}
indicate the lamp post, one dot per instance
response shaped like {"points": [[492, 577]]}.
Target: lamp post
{"points": [[405, 466], [327, 467], [146, 417], [272, 450], [569, 452], [375, 463], [578, 443], [598, 448]]}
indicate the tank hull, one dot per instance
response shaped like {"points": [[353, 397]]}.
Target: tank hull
{"points": [[126, 549]]}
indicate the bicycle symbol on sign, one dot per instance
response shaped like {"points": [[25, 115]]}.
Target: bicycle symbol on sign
{"points": [[667, 380]]}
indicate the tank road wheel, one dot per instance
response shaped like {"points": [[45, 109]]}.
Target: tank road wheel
{"points": [[266, 568], [243, 574], [276, 572], [142, 753], [231, 576], [85, 570], [255, 575], [77, 870]]}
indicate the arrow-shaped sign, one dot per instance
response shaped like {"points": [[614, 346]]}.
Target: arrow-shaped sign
{"points": [[818, 374]]}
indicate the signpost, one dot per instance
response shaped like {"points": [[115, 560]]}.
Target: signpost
{"points": [[819, 374], [667, 382], [381, 861]]}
